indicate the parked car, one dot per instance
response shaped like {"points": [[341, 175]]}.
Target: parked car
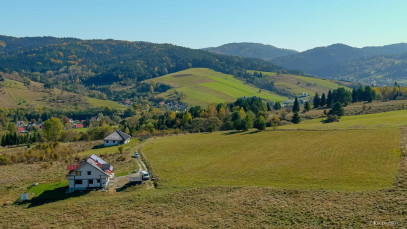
{"points": [[136, 155], [144, 175]]}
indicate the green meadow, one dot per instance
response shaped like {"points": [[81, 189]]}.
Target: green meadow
{"points": [[202, 86], [300, 84], [358, 153]]}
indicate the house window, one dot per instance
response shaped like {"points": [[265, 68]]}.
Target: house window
{"points": [[114, 141], [98, 181], [90, 181], [78, 173], [89, 172], [78, 181]]}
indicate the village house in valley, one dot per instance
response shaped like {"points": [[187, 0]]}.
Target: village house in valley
{"points": [[116, 138], [89, 174]]}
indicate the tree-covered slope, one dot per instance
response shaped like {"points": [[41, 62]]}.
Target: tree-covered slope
{"points": [[93, 66], [344, 62], [252, 50]]}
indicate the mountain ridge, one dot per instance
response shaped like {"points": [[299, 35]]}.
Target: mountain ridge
{"points": [[251, 50]]}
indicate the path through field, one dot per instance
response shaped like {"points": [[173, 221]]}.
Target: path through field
{"points": [[141, 163]]}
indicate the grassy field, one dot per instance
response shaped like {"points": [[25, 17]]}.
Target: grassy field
{"points": [[310, 175], [311, 155], [202, 86], [392, 119], [300, 84], [111, 149], [283, 159], [104, 103], [16, 94]]}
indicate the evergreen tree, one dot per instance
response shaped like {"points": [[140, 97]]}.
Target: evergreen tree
{"points": [[268, 106], [323, 100], [296, 118], [307, 106], [329, 99], [277, 106], [354, 96], [337, 109], [296, 106], [342, 95], [317, 100]]}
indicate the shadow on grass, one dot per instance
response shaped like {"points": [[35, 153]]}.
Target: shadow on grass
{"points": [[128, 185], [51, 196], [232, 132], [241, 132], [252, 132], [124, 187], [98, 146]]}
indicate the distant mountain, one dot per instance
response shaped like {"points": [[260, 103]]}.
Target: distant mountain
{"points": [[251, 50], [340, 61], [375, 70]]}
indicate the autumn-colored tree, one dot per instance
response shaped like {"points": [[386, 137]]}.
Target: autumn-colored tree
{"points": [[52, 128]]}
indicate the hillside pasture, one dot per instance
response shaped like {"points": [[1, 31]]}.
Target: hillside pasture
{"points": [[202, 86], [15, 94], [301, 84], [391, 119], [330, 160]]}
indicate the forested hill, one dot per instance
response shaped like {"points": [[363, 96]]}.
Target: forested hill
{"points": [[252, 50], [75, 64], [338, 61]]}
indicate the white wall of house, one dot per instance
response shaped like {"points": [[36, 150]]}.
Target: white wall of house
{"points": [[111, 143], [115, 142], [89, 177]]}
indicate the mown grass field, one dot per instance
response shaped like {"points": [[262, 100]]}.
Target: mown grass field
{"points": [[332, 160], [300, 84], [392, 119], [202, 86]]}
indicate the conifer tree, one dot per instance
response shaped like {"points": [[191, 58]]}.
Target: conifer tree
{"points": [[323, 100], [296, 118], [329, 99], [296, 106], [316, 100], [307, 106]]}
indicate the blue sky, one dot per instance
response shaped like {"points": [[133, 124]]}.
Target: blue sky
{"points": [[295, 24]]}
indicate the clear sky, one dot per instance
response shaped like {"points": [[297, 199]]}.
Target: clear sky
{"points": [[295, 24]]}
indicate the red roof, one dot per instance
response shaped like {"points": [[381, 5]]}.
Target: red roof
{"points": [[127, 101], [72, 167], [21, 129], [79, 125]]}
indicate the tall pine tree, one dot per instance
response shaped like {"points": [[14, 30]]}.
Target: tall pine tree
{"points": [[296, 106], [323, 100], [329, 99], [316, 100]]}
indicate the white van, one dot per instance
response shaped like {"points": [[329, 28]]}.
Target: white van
{"points": [[144, 175]]}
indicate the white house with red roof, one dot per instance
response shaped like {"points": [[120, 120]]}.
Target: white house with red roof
{"points": [[89, 174]]}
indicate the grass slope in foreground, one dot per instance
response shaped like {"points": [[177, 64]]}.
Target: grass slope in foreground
{"points": [[300, 84], [330, 159], [202, 86]]}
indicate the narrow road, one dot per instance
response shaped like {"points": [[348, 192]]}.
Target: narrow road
{"points": [[141, 163]]}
